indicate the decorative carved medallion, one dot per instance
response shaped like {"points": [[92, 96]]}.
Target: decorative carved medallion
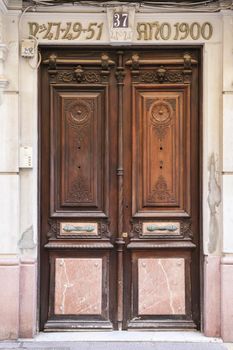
{"points": [[161, 192], [161, 113], [78, 112], [161, 116]]}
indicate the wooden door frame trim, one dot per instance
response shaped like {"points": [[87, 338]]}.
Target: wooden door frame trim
{"points": [[198, 47]]}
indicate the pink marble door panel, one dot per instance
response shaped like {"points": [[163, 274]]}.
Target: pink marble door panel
{"points": [[78, 286], [161, 285]]}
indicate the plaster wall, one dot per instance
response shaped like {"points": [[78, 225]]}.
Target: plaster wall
{"points": [[19, 187]]}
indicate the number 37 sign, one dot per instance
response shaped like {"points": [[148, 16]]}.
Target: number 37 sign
{"points": [[120, 20]]}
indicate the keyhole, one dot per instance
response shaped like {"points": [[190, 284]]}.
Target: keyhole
{"points": [[79, 147], [79, 167], [161, 148]]}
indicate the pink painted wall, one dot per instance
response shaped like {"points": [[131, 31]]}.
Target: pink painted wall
{"points": [[212, 292], [17, 298], [227, 299]]}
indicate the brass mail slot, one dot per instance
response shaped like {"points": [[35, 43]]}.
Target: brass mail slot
{"points": [[160, 228], [79, 228]]}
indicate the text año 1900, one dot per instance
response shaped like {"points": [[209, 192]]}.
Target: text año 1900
{"points": [[177, 31]]}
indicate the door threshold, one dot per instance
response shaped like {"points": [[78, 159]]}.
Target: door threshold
{"points": [[126, 336]]}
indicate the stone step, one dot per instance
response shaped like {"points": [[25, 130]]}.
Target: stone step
{"points": [[112, 345]]}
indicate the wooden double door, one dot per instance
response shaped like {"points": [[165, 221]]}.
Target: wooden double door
{"points": [[119, 188]]}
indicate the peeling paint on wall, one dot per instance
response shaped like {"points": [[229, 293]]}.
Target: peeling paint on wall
{"points": [[26, 241], [214, 200]]}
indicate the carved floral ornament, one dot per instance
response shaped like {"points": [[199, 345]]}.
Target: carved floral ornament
{"points": [[79, 75], [160, 192], [161, 75]]}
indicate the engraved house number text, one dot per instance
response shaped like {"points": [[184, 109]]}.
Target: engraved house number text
{"points": [[153, 31], [67, 31], [120, 20]]}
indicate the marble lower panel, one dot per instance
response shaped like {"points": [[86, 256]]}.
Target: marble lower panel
{"points": [[27, 306], [227, 299], [212, 296], [78, 286], [9, 298], [161, 286]]}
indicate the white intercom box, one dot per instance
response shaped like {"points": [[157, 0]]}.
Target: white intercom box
{"points": [[25, 157]]}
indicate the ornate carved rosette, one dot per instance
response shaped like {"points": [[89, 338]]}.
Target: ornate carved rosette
{"points": [[161, 116], [78, 112]]}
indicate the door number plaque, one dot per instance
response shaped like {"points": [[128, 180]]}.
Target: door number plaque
{"points": [[120, 20]]}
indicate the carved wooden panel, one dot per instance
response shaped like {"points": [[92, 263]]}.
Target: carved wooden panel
{"points": [[161, 286], [78, 178], [161, 151], [78, 286], [79, 154]]}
